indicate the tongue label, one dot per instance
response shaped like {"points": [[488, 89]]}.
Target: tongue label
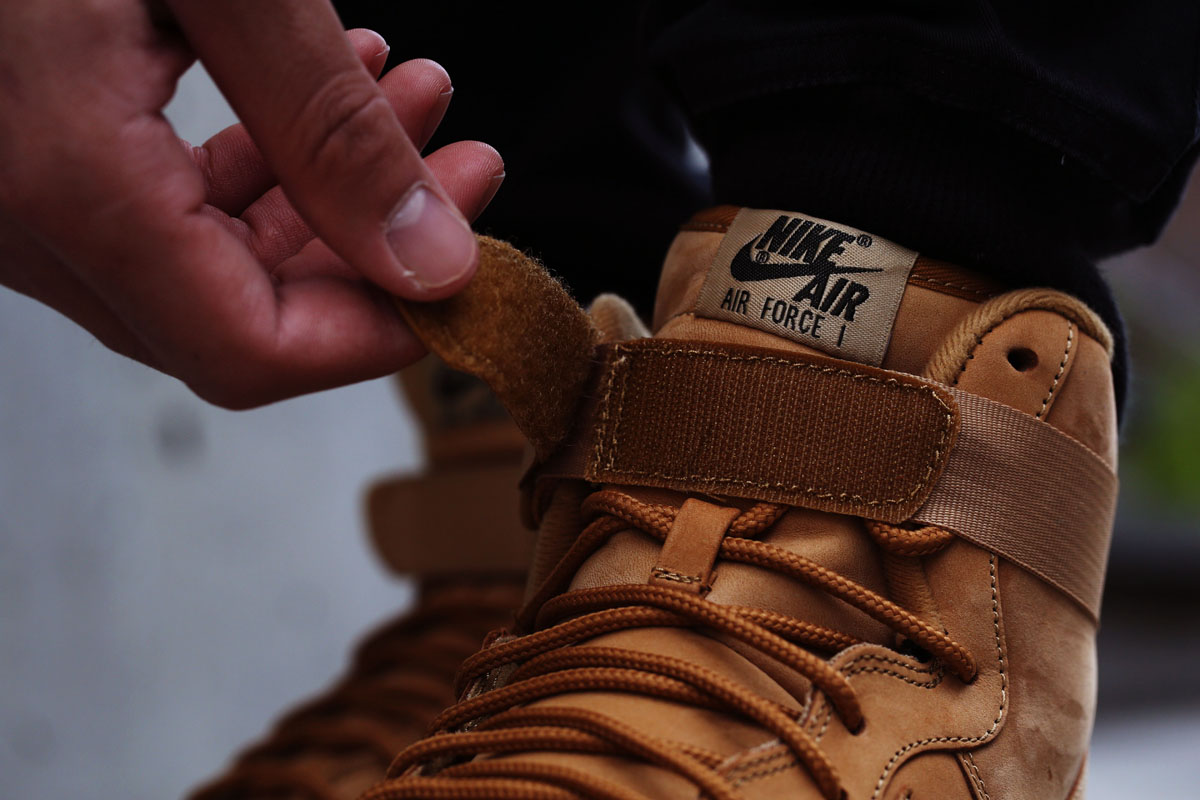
{"points": [[833, 288]]}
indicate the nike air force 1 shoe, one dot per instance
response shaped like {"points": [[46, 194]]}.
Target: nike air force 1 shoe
{"points": [[838, 529], [455, 528]]}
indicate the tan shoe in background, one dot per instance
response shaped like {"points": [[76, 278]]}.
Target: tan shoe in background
{"points": [[455, 528], [838, 529]]}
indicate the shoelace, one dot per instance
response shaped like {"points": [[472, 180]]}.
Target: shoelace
{"points": [[545, 661], [401, 677]]}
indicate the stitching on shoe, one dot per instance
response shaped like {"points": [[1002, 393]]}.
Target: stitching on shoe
{"points": [[705, 227], [1062, 367], [678, 577], [1003, 695], [917, 280], [605, 404], [810, 491], [764, 763], [937, 677], [852, 669], [900, 753], [765, 773], [973, 772]]}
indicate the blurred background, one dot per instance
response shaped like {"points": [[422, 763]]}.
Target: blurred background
{"points": [[172, 575]]}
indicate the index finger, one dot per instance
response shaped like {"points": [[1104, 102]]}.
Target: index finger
{"points": [[331, 137]]}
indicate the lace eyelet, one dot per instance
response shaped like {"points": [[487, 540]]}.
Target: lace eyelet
{"points": [[1022, 359]]}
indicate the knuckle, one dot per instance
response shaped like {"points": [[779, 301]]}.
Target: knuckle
{"points": [[272, 231], [346, 122]]}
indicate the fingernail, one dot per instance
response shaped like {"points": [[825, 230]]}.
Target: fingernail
{"points": [[493, 186], [382, 49], [436, 115], [433, 242], [379, 60]]}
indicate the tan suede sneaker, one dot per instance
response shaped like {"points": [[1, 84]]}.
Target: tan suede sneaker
{"points": [[837, 530], [456, 529]]}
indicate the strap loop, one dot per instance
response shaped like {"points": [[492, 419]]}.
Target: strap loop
{"points": [[450, 520], [1026, 491]]}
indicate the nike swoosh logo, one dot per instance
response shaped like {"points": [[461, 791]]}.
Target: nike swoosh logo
{"points": [[745, 268]]}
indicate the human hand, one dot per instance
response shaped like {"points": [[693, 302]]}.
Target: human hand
{"points": [[193, 260]]}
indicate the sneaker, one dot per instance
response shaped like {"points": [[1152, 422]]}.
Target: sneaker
{"points": [[470, 561], [837, 530]]}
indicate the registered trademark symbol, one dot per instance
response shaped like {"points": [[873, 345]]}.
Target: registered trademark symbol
{"points": [[864, 240], [761, 256]]}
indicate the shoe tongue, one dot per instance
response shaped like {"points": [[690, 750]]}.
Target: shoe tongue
{"points": [[808, 283], [799, 284]]}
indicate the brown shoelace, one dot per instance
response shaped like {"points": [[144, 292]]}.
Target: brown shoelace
{"points": [[400, 678], [545, 660]]}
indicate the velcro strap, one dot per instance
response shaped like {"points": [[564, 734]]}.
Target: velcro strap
{"points": [[817, 433], [518, 330], [746, 422]]}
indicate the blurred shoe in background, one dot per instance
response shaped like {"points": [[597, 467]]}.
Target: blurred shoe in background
{"points": [[455, 528]]}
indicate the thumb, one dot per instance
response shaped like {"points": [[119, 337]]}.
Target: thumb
{"points": [[333, 140]]}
